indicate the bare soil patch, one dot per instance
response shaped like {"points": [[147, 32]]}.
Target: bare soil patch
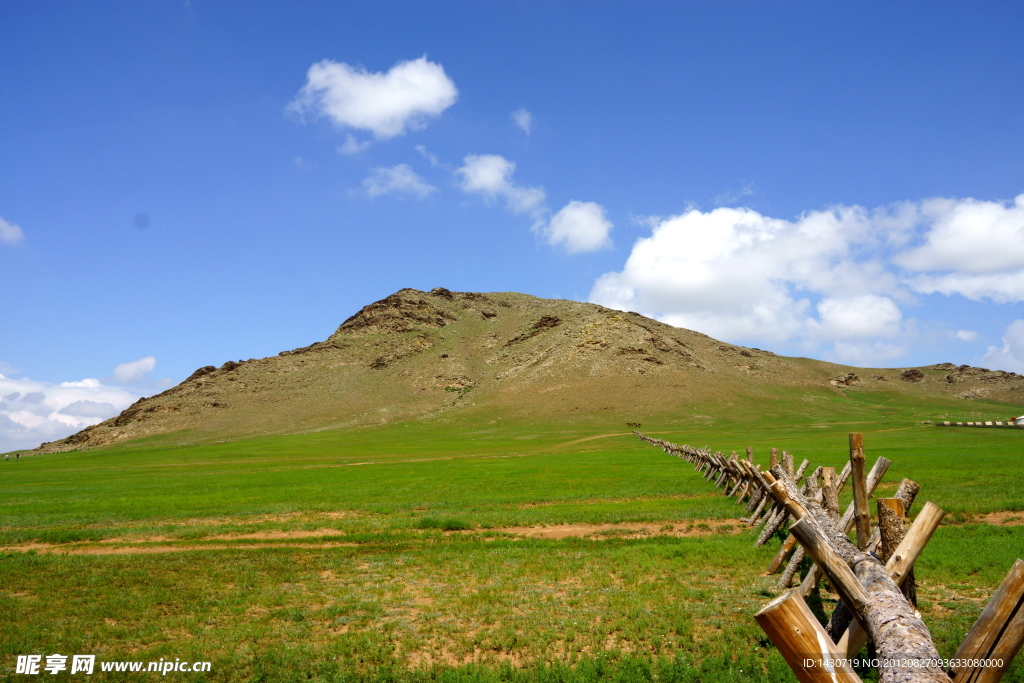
{"points": [[1003, 518], [698, 527], [76, 549]]}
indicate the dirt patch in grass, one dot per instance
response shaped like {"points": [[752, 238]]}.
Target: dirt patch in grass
{"points": [[697, 527], [1003, 518], [91, 549]]}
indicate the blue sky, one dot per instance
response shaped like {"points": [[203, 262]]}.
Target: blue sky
{"points": [[184, 183]]}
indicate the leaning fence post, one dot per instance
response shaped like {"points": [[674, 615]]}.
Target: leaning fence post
{"points": [[874, 478], [898, 566], [862, 514]]}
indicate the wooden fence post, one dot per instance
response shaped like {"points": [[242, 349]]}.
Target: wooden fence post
{"points": [[867, 589], [898, 566], [862, 514], [801, 640]]}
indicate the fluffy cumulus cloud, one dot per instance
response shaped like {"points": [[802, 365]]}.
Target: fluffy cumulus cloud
{"points": [[968, 247], [1009, 356], [523, 120], [829, 282], [32, 412], [579, 227], [739, 275], [384, 104], [397, 180], [10, 233]]}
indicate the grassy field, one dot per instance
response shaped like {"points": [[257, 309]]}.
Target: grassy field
{"points": [[431, 550]]}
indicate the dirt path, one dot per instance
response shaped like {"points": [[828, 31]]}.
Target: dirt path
{"points": [[588, 438]]}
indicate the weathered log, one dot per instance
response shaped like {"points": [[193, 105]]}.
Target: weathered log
{"points": [[998, 632], [866, 588], [750, 454], [775, 523], [841, 617], [773, 457], [898, 567], [787, 464], [891, 526], [784, 550], [752, 520], [830, 492], [792, 568], [801, 641], [756, 494], [790, 542], [846, 522], [776, 517], [800, 472], [862, 515]]}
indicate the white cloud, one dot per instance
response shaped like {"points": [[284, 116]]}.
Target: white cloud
{"points": [[385, 104], [733, 196], [867, 315], [579, 227], [522, 119], [830, 282], [1010, 356], [10, 233], [32, 412], [133, 372], [491, 176], [865, 353], [968, 247], [398, 179], [427, 155], [736, 274], [102, 410], [353, 146]]}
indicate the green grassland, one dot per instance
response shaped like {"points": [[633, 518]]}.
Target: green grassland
{"points": [[383, 553]]}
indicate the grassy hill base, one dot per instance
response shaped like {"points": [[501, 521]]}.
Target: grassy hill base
{"points": [[475, 548]]}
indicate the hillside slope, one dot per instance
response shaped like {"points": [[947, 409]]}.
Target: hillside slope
{"points": [[427, 354]]}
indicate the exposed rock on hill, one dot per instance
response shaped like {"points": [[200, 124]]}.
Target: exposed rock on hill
{"points": [[430, 354]]}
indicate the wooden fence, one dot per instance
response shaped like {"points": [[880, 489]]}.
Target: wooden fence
{"points": [[873, 577]]}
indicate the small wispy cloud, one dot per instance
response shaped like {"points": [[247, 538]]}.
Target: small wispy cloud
{"points": [[523, 120], [11, 234], [434, 161], [399, 179], [353, 146], [734, 196]]}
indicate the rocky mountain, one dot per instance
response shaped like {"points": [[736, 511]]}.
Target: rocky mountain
{"points": [[422, 355]]}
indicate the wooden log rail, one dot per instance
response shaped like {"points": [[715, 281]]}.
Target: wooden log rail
{"points": [[872, 576]]}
